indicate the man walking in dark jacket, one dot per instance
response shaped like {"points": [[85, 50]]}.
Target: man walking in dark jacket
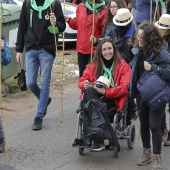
{"points": [[37, 27]]}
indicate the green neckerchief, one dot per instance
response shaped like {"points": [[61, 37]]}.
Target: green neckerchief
{"points": [[108, 74], [94, 7], [46, 4]]}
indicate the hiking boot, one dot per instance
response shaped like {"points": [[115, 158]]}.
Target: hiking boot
{"points": [[2, 147], [97, 146], [37, 124], [167, 142], [156, 162], [49, 101], [146, 157]]}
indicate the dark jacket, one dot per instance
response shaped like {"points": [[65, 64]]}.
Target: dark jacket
{"points": [[107, 27], [124, 44], [143, 10], [160, 64], [38, 36]]}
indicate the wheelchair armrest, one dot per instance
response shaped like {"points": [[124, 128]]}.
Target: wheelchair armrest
{"points": [[111, 110]]}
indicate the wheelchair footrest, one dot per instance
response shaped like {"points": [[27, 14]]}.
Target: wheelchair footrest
{"points": [[80, 143]]}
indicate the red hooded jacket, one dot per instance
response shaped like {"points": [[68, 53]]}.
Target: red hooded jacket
{"points": [[83, 25], [121, 81]]}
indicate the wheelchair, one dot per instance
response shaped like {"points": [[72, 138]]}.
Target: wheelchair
{"points": [[119, 125]]}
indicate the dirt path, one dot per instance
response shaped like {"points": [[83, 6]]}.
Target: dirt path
{"points": [[23, 105]]}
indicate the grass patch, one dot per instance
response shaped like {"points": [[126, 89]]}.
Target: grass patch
{"points": [[14, 87]]}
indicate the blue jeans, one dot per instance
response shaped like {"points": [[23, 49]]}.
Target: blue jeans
{"points": [[1, 130], [36, 59]]}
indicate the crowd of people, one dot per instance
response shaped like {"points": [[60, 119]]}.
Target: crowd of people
{"points": [[122, 45]]}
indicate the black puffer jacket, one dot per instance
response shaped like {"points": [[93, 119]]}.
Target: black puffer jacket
{"points": [[38, 36]]}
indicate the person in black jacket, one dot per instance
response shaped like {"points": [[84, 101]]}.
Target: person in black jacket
{"points": [[149, 50], [164, 27], [36, 30]]}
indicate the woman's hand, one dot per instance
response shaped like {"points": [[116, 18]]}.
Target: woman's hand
{"points": [[67, 18], [52, 19], [87, 84], [147, 66], [1, 44], [92, 38], [100, 90]]}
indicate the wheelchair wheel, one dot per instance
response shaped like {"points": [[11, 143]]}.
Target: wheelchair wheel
{"points": [[115, 152], [116, 126], [81, 151], [131, 136]]}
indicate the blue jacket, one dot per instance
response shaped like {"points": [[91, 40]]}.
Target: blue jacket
{"points": [[6, 57], [163, 69], [143, 10]]}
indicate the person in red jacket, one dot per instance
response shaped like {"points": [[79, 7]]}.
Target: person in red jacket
{"points": [[108, 63], [83, 25]]}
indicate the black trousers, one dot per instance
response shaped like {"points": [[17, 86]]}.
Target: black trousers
{"points": [[91, 93], [83, 60], [150, 120]]}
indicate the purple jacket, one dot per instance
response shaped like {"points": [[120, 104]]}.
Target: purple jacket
{"points": [[143, 10]]}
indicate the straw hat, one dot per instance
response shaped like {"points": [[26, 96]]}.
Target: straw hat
{"points": [[164, 22], [103, 81], [122, 17]]}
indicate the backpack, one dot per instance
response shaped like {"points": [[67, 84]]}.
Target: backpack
{"points": [[95, 125], [154, 90]]}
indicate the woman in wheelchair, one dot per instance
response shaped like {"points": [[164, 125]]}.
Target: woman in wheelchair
{"points": [[108, 63]]}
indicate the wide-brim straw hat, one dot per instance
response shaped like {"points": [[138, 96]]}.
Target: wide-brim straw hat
{"points": [[103, 81], [164, 22], [123, 17]]}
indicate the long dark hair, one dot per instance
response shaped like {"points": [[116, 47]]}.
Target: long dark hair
{"points": [[152, 40], [98, 57], [109, 15]]}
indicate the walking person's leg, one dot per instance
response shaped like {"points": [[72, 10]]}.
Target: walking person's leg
{"points": [[2, 148], [164, 130], [32, 67], [167, 142], [155, 124], [46, 62], [36, 59], [143, 111], [83, 60]]}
